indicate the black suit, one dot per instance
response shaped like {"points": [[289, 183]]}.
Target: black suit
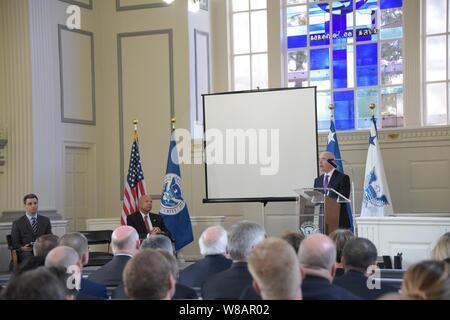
{"points": [[197, 273], [356, 283], [111, 273], [341, 183], [318, 288], [22, 233], [135, 220], [228, 284]]}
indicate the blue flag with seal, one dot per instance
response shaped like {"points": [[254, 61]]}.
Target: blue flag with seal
{"points": [[376, 197], [333, 146], [174, 210]]}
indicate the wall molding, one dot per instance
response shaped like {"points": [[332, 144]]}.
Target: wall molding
{"points": [[161, 4], [197, 33], [120, 36], [80, 4], [61, 75]]}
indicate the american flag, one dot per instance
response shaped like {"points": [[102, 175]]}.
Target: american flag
{"points": [[134, 184]]}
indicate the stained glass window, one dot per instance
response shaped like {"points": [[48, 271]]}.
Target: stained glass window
{"points": [[352, 51]]}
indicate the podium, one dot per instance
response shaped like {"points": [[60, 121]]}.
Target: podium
{"points": [[319, 209]]}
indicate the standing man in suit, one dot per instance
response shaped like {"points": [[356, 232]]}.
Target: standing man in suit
{"points": [[146, 222], [125, 244], [213, 246], [333, 179], [29, 227]]}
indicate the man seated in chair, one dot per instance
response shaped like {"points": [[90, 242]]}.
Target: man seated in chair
{"points": [[28, 228], [146, 222]]}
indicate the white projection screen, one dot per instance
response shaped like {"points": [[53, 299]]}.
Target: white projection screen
{"points": [[260, 145]]}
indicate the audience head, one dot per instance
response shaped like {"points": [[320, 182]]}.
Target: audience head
{"points": [[324, 165], [441, 250], [427, 280], [39, 284], [340, 238], [157, 241], [317, 254], [175, 269], [359, 254], [148, 276], [31, 203], [44, 244], [242, 237], [79, 243], [62, 257], [30, 264], [274, 267], [294, 239], [145, 203], [125, 239], [213, 240]]}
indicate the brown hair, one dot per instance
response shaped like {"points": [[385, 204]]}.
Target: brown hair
{"points": [[340, 238], [29, 196], [427, 280], [294, 239]]}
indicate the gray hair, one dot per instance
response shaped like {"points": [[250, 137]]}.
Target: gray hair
{"points": [[62, 257], [75, 240], [242, 237], [213, 241], [157, 241], [317, 252], [127, 243]]}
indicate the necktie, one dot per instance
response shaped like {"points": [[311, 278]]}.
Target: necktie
{"points": [[34, 225], [325, 182], [146, 224]]}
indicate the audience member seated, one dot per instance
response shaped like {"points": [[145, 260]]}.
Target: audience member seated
{"points": [[79, 243], [182, 292], [148, 276], [340, 238], [441, 250], [146, 222], [213, 245], [39, 284], [294, 239], [317, 257], [274, 267], [125, 244], [229, 284], [28, 228], [359, 254], [427, 280], [157, 241]]}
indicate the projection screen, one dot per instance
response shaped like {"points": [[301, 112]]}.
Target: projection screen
{"points": [[259, 145]]}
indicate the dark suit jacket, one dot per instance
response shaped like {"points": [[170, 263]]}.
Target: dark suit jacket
{"points": [[110, 274], [318, 288], [356, 283], [197, 273], [135, 220], [228, 284], [22, 233], [91, 290], [341, 183], [181, 293]]}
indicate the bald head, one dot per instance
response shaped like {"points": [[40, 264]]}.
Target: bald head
{"points": [[213, 241], [323, 163], [125, 239], [62, 257], [317, 252], [145, 203]]}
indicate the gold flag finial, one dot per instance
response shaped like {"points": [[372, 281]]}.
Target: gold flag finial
{"points": [[135, 123], [331, 107], [372, 108], [173, 121]]}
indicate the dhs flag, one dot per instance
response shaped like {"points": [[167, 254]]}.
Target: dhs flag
{"points": [[333, 146], [376, 197], [174, 210]]}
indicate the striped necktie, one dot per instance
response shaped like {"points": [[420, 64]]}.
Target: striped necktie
{"points": [[34, 225]]}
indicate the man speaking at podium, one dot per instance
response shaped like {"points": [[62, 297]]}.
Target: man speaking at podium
{"points": [[333, 179]]}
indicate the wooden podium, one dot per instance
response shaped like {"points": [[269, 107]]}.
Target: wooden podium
{"points": [[319, 210]]}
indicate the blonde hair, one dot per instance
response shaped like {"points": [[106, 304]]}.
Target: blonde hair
{"points": [[441, 250], [427, 280], [274, 266]]}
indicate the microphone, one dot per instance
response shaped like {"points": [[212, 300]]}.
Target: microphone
{"points": [[332, 162]]}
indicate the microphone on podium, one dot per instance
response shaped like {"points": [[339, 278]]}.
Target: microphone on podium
{"points": [[332, 162]]}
